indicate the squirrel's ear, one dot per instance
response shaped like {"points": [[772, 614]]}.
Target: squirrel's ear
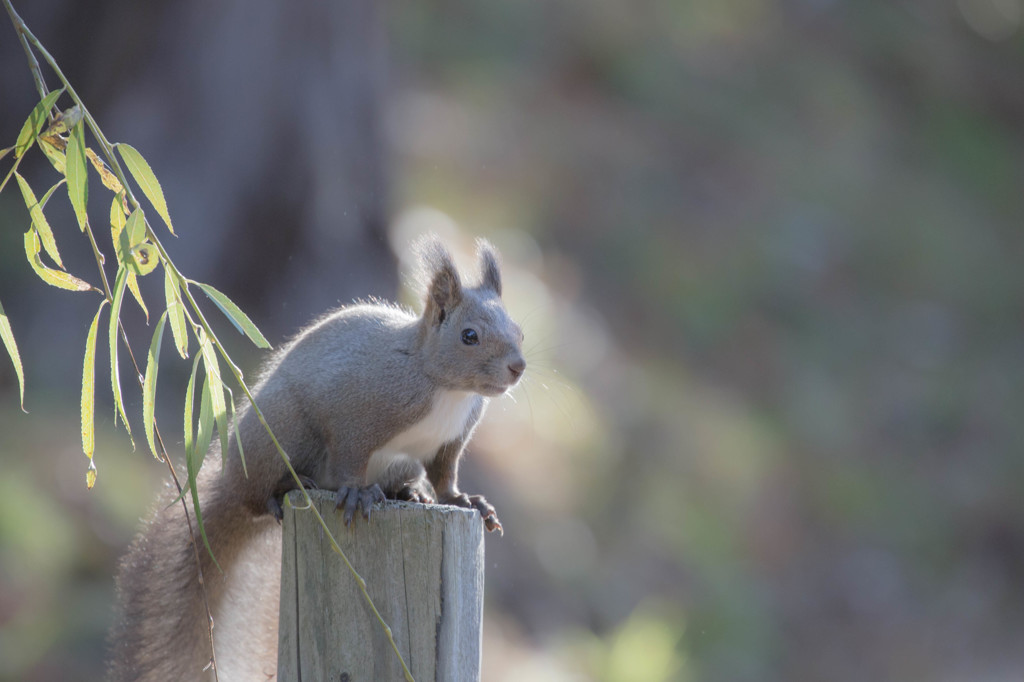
{"points": [[444, 287], [490, 269]]}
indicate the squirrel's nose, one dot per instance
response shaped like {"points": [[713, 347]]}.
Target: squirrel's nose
{"points": [[517, 367]]}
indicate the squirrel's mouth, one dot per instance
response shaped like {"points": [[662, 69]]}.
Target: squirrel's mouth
{"points": [[496, 389]]}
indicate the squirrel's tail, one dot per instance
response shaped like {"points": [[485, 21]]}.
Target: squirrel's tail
{"points": [[161, 630]]}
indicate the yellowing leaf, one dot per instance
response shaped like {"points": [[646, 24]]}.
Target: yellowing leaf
{"points": [[12, 350], [149, 384], [57, 278], [78, 185], [90, 475], [34, 123], [89, 391], [143, 175], [235, 315], [39, 223], [109, 180]]}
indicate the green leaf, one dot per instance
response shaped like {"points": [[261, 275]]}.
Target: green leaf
{"points": [[12, 349], [216, 390], [205, 432], [149, 384], [190, 450], [145, 258], [77, 174], [39, 223], [57, 278], [115, 378], [133, 250], [129, 236], [241, 321], [193, 470], [89, 396], [34, 124], [194, 457], [5, 152], [56, 156], [133, 286], [176, 310], [238, 435], [46, 197], [143, 175]]}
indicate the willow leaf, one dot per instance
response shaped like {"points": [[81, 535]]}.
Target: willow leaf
{"points": [[238, 435], [49, 193], [189, 422], [89, 396], [77, 170], [39, 222], [238, 318], [133, 286], [55, 155], [194, 457], [110, 180], [133, 233], [143, 175], [12, 350], [216, 390], [115, 379], [204, 434], [57, 278], [34, 124], [149, 384], [176, 310]]}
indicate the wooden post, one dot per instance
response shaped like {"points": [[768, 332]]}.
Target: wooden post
{"points": [[424, 569]]}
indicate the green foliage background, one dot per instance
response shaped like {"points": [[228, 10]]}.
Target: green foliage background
{"points": [[772, 249]]}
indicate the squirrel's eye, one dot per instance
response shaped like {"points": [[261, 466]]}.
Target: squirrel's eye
{"points": [[470, 337]]}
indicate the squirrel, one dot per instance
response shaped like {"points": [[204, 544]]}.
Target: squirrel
{"points": [[370, 401]]}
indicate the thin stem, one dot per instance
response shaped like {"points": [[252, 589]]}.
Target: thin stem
{"points": [[33, 65]]}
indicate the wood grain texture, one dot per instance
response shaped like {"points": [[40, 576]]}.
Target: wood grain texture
{"points": [[424, 569]]}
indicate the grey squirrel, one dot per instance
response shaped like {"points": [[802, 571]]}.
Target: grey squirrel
{"points": [[370, 401]]}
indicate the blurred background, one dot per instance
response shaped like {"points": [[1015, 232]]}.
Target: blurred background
{"points": [[767, 255]]}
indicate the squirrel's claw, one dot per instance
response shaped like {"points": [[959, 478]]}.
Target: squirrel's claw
{"points": [[413, 494], [490, 517], [355, 497]]}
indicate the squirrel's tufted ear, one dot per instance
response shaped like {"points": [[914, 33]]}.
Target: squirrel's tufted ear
{"points": [[490, 269], [438, 273]]}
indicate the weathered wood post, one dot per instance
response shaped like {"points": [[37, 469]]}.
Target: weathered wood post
{"points": [[424, 569]]}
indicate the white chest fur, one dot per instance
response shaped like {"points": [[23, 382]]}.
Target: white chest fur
{"points": [[445, 422]]}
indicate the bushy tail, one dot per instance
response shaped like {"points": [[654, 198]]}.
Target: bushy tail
{"points": [[161, 631]]}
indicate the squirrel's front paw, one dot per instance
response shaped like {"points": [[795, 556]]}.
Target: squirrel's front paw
{"points": [[352, 497], [491, 522]]}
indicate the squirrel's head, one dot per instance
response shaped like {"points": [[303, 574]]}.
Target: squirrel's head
{"points": [[468, 338]]}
